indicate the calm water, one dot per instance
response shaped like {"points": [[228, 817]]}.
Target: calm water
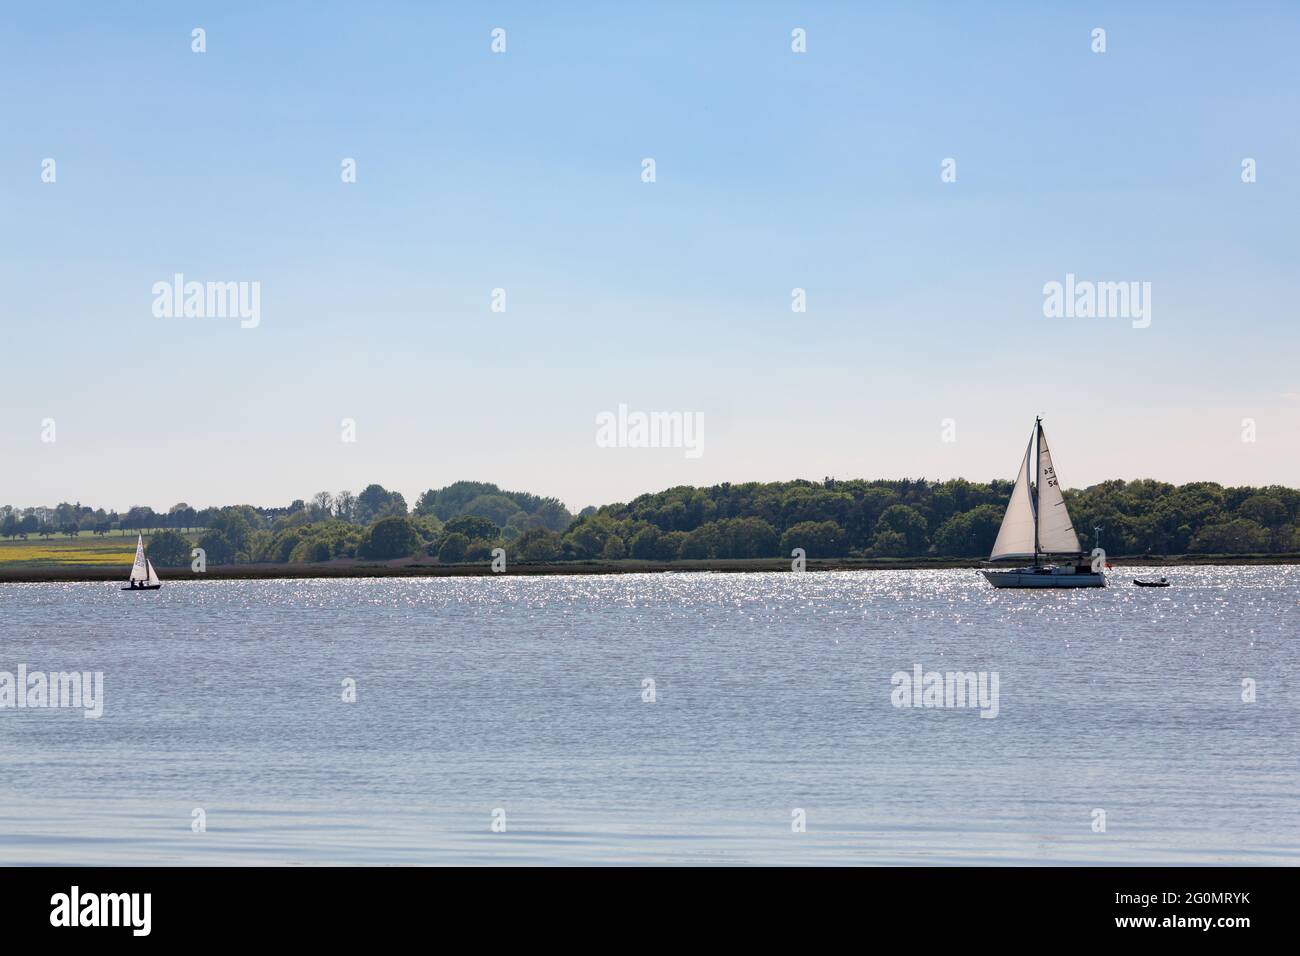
{"points": [[773, 693]]}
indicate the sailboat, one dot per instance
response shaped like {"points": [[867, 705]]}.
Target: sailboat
{"points": [[143, 576], [1037, 525]]}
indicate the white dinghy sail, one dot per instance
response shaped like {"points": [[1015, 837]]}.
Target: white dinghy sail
{"points": [[142, 573]]}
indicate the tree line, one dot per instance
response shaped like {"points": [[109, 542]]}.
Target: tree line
{"points": [[467, 521], [919, 518]]}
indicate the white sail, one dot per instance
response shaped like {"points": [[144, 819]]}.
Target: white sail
{"points": [[139, 570], [1016, 536], [1055, 529], [152, 579]]}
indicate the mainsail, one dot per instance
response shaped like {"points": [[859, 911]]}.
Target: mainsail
{"points": [[140, 571], [1036, 521], [1055, 529], [1016, 536]]}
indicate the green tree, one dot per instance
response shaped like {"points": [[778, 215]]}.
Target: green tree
{"points": [[181, 515], [586, 538], [140, 519], [325, 542], [446, 503], [703, 543], [670, 545], [1264, 510], [1241, 536], [553, 515], [282, 544], [217, 549], [750, 537], [169, 549], [495, 508], [345, 505], [645, 543], [731, 538], [969, 534], [819, 539], [518, 523], [311, 551], [322, 505], [472, 526], [907, 521], [890, 543], [376, 502], [538, 545], [479, 550], [428, 526], [389, 538], [453, 548], [237, 524]]}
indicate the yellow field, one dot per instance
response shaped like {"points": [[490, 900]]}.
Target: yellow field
{"points": [[98, 552]]}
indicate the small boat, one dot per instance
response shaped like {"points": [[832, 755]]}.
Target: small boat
{"points": [[1162, 583], [143, 576], [1037, 525]]}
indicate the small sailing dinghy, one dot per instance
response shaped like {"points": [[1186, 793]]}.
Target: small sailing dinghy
{"points": [[143, 576], [1037, 525]]}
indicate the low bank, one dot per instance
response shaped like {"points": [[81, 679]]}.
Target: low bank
{"points": [[431, 569]]}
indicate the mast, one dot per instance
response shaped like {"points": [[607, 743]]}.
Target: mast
{"points": [[1037, 441]]}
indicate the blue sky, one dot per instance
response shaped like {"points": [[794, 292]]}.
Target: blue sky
{"points": [[521, 171]]}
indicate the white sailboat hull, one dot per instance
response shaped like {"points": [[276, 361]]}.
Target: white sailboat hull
{"points": [[1045, 577]]}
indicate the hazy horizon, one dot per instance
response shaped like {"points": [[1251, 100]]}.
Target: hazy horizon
{"points": [[522, 171]]}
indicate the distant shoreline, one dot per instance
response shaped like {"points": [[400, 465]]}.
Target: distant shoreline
{"points": [[426, 569]]}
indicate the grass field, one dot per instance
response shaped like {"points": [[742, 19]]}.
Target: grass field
{"points": [[95, 558], [88, 534], [61, 551]]}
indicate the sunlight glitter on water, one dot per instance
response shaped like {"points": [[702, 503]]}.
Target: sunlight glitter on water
{"points": [[772, 692]]}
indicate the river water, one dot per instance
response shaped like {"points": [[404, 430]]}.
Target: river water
{"points": [[666, 718]]}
